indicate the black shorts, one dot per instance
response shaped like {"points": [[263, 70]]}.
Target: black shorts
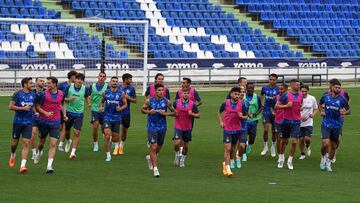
{"points": [[330, 133], [97, 116], [114, 126], [52, 129], [20, 129], [75, 121], [125, 120], [306, 131], [251, 130], [35, 123], [290, 130], [156, 137], [61, 118], [184, 135]]}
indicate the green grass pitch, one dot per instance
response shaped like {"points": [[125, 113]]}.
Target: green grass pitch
{"points": [[127, 179]]}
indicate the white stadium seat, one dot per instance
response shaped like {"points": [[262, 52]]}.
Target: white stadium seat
{"points": [[215, 39], [209, 55], [54, 46], [195, 47], [59, 55], [168, 31], [242, 55], [44, 46], [69, 54], [229, 47], [15, 28], [29, 37], [187, 48], [162, 23], [200, 55], [15, 46], [6, 46], [24, 28], [63, 47], [250, 55], [40, 37], [160, 31], [236, 47], [24, 45], [184, 31]]}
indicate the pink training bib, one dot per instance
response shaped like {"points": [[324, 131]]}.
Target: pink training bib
{"points": [[294, 113], [183, 121], [191, 93], [231, 117], [152, 90], [52, 105]]}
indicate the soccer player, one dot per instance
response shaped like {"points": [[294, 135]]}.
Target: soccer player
{"points": [[232, 109], [279, 117], [242, 82], [96, 91], [344, 94], [155, 108], [49, 104], [269, 92], [151, 92], [193, 94], [291, 103], [254, 111], [39, 88], [331, 107], [112, 103], [186, 111], [62, 87], [22, 103], [308, 112], [125, 115], [75, 96], [241, 143]]}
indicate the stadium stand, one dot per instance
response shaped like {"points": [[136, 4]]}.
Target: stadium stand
{"points": [[45, 40], [331, 27]]}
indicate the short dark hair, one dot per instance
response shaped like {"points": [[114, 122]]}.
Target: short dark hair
{"points": [[185, 89], [294, 80], [53, 79], [71, 73], [80, 76], [334, 80], [158, 86], [102, 73], [284, 85], [241, 78], [188, 80], [250, 84], [158, 74], [37, 78], [305, 86], [126, 76], [114, 77], [336, 83], [235, 89], [274, 75], [25, 81]]}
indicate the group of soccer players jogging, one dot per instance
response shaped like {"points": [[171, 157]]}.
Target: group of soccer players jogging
{"points": [[289, 112], [54, 110]]}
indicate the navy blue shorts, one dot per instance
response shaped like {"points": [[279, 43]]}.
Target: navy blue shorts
{"points": [[277, 127], [20, 129], [290, 130], [97, 116], [251, 130], [114, 126], [156, 137], [35, 123], [52, 129], [184, 135], [330, 133], [61, 117], [243, 137], [125, 120], [75, 121], [268, 119], [306, 131], [231, 137]]}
